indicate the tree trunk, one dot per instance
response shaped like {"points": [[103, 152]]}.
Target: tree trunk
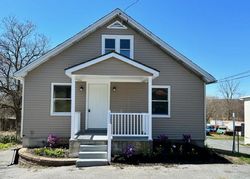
{"points": [[18, 123]]}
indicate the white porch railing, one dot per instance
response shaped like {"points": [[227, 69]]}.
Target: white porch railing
{"points": [[130, 124], [127, 125], [77, 122]]}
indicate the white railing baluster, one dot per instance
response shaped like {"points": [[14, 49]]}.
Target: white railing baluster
{"points": [[129, 124]]}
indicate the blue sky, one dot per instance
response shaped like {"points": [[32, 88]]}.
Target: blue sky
{"points": [[214, 34]]}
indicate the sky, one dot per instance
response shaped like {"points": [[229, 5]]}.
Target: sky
{"points": [[213, 34]]}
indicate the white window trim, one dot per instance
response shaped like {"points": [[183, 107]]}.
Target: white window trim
{"points": [[52, 113], [111, 26], [117, 43], [169, 101]]}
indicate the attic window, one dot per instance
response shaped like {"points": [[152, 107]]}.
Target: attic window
{"points": [[117, 25]]}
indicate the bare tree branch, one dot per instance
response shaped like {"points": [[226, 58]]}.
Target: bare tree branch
{"points": [[19, 46]]}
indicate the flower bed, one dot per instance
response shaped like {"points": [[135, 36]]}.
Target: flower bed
{"points": [[166, 151], [28, 157], [51, 152]]}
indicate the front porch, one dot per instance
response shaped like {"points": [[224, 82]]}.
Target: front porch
{"points": [[116, 93]]}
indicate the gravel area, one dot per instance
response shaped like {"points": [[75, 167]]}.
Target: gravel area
{"points": [[122, 171]]}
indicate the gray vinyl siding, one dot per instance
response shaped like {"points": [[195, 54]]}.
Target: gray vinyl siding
{"points": [[129, 97], [112, 66], [187, 90]]}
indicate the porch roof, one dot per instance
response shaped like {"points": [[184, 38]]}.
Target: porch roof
{"points": [[112, 64]]}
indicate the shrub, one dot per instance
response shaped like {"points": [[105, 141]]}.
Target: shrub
{"points": [[186, 138], [129, 151], [162, 138], [52, 140], [50, 152], [8, 139]]}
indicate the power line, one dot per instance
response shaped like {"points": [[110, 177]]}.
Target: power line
{"points": [[232, 79], [232, 76], [136, 1]]}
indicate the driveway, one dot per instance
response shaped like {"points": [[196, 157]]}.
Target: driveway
{"points": [[122, 171], [226, 145]]}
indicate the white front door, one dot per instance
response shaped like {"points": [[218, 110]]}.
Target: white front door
{"points": [[97, 106]]}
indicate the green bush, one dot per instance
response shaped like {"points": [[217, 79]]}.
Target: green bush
{"points": [[8, 139], [50, 152]]}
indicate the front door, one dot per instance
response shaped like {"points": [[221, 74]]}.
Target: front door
{"points": [[97, 106]]}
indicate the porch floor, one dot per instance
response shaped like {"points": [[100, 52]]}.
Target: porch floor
{"points": [[92, 137], [104, 137]]}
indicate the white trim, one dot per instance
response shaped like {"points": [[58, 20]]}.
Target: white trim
{"points": [[52, 113], [69, 71], [22, 114], [117, 12], [88, 82], [169, 101], [117, 43], [115, 78], [122, 26], [150, 128], [205, 111], [73, 108], [86, 104]]}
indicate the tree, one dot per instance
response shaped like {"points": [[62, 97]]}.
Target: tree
{"points": [[211, 107], [20, 45], [229, 90]]}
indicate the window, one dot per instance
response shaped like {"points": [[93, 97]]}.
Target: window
{"points": [[61, 99], [125, 47], [109, 45], [161, 101], [122, 44]]}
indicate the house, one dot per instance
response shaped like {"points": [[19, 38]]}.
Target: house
{"points": [[246, 119], [116, 79]]}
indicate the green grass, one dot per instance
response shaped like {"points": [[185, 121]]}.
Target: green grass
{"points": [[5, 146], [223, 137], [236, 158]]}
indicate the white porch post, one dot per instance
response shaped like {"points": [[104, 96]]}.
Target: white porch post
{"points": [[150, 108], [73, 91]]}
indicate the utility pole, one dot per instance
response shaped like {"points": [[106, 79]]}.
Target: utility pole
{"points": [[233, 150]]}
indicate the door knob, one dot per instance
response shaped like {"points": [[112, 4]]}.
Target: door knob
{"points": [[88, 110]]}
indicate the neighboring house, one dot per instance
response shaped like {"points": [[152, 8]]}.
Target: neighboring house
{"points": [[114, 73], [246, 119], [228, 124]]}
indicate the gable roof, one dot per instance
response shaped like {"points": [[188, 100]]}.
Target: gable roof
{"points": [[70, 70], [207, 78]]}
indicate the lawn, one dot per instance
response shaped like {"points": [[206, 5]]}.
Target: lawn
{"points": [[223, 137], [8, 140], [236, 158]]}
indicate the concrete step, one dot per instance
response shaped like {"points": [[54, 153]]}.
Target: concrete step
{"points": [[94, 148], [91, 162], [93, 155]]}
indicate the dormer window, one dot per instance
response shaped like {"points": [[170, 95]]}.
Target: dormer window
{"points": [[109, 45], [123, 44]]}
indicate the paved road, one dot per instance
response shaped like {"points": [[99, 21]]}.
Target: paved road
{"points": [[227, 145], [219, 171]]}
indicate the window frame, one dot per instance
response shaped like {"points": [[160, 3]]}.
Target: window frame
{"points": [[117, 43], [52, 112], [169, 101]]}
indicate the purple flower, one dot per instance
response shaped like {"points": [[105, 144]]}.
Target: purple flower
{"points": [[162, 137], [186, 138], [52, 140], [129, 151]]}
